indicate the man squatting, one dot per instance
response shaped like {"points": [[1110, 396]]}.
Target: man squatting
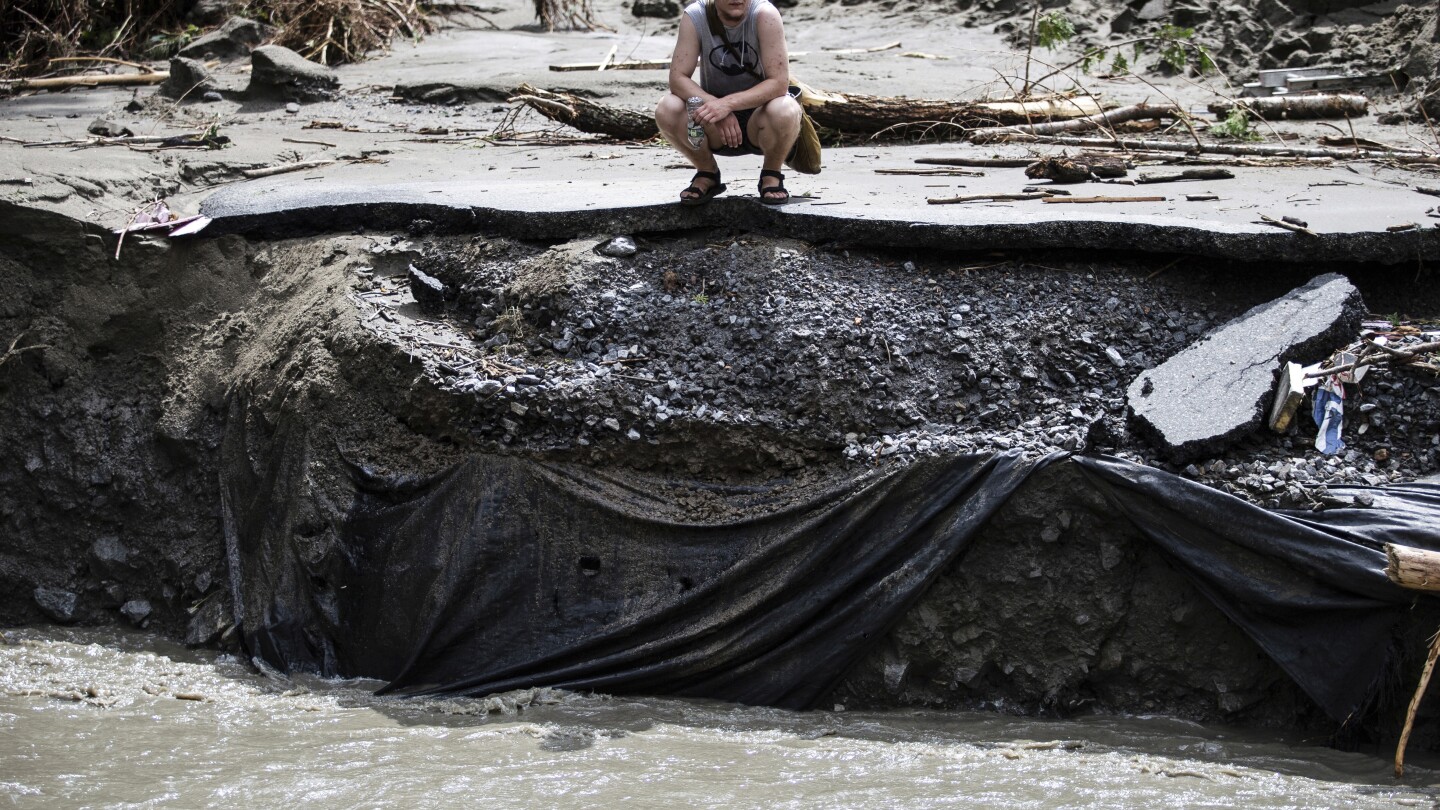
{"points": [[744, 81]]}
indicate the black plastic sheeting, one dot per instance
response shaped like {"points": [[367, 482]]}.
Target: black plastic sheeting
{"points": [[502, 573]]}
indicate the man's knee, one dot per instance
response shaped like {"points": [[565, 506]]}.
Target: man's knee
{"points": [[670, 108], [784, 111]]}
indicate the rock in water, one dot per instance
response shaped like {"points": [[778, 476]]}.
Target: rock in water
{"points": [[136, 610], [277, 72], [1215, 390]]}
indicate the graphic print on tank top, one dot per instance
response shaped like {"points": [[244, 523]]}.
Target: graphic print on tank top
{"points": [[722, 60]]}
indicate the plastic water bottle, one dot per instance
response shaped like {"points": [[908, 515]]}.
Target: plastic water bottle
{"points": [[693, 131]]}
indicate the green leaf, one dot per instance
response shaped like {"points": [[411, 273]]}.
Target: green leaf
{"points": [[1053, 29], [1119, 64], [1207, 62]]}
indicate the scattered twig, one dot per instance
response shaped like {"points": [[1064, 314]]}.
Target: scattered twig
{"points": [[890, 46], [313, 143], [282, 168], [968, 198], [14, 352], [1103, 199], [932, 172], [1289, 226]]}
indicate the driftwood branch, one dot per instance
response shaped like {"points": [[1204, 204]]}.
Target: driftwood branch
{"points": [[586, 115], [639, 64], [1134, 112], [1389, 356], [1275, 108], [1103, 199], [109, 80], [282, 168], [1188, 174], [1297, 227], [988, 163], [856, 114], [1258, 150], [1415, 705], [1414, 568], [968, 198]]}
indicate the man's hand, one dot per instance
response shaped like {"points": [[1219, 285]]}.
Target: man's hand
{"points": [[717, 113]]}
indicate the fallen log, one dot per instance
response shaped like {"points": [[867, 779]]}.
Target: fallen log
{"points": [[1278, 108], [855, 114], [108, 80], [1188, 174], [1257, 150], [1413, 568], [586, 115], [1134, 112]]}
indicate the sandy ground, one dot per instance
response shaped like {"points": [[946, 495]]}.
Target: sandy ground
{"points": [[104, 185]]}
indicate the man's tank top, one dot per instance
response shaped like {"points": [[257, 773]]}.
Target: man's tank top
{"points": [[720, 73]]}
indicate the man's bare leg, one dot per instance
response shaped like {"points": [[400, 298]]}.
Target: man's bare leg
{"points": [[671, 118], [774, 128]]}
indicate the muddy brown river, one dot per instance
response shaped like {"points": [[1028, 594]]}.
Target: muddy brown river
{"points": [[99, 718]]}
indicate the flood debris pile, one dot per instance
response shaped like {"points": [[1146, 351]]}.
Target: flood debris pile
{"points": [[791, 355]]}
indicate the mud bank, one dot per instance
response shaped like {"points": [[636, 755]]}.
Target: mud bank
{"points": [[727, 359]]}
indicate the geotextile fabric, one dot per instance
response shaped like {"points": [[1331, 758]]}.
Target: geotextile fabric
{"points": [[501, 573]]}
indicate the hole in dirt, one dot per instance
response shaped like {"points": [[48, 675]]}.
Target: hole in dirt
{"points": [[589, 566]]}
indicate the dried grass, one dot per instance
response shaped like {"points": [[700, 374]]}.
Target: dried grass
{"points": [[333, 32], [573, 14], [33, 32]]}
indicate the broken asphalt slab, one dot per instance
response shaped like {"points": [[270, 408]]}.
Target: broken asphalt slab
{"points": [[563, 192], [1214, 391]]}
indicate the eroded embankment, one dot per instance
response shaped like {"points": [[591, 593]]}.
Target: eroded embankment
{"points": [[722, 359]]}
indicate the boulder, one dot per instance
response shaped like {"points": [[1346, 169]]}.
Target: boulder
{"points": [[1215, 391], [57, 603], [137, 611], [110, 559], [189, 79], [660, 9], [233, 40], [208, 12], [278, 72], [429, 292]]}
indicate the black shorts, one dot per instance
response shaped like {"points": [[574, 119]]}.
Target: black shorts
{"points": [[746, 147]]}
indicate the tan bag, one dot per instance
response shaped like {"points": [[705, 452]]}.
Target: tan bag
{"points": [[805, 158]]}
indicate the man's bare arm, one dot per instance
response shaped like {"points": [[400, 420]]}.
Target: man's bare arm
{"points": [[684, 61]]}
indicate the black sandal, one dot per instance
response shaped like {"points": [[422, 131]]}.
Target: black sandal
{"points": [[778, 187], [704, 193]]}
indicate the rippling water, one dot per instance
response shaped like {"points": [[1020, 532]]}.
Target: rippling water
{"points": [[106, 719]]}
